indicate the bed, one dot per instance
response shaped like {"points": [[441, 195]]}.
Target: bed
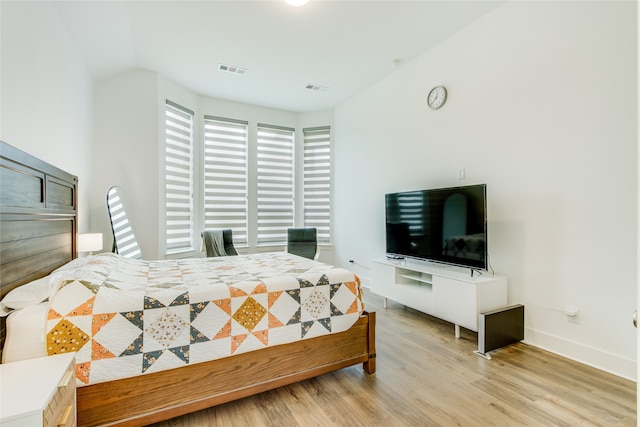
{"points": [[38, 222]]}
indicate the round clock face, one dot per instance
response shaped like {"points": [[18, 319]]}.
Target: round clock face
{"points": [[437, 97]]}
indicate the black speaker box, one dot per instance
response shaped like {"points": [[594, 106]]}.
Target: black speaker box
{"points": [[500, 327]]}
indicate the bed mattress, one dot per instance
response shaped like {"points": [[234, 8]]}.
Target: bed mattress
{"points": [[127, 317]]}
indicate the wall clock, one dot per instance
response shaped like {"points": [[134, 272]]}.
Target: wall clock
{"points": [[437, 97]]}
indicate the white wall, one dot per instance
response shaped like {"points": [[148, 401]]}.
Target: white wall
{"points": [[46, 93], [125, 148], [542, 108]]}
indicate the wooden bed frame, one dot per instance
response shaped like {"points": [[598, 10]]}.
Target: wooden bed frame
{"points": [[38, 226]]}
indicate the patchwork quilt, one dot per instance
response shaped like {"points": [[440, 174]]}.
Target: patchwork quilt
{"points": [[126, 317]]}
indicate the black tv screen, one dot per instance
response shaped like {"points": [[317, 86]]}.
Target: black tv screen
{"points": [[447, 225]]}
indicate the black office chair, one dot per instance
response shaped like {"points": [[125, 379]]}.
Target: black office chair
{"points": [[303, 242], [218, 242]]}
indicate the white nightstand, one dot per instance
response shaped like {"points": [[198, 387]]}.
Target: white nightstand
{"points": [[38, 392]]}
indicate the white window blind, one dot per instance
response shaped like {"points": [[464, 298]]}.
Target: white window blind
{"points": [[225, 176], [317, 181], [178, 177], [275, 181]]}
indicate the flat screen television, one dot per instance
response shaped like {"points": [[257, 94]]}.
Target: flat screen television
{"points": [[445, 225]]}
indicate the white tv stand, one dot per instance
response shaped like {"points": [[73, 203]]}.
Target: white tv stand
{"points": [[449, 293]]}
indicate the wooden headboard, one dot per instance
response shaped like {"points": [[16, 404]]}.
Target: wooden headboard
{"points": [[38, 219]]}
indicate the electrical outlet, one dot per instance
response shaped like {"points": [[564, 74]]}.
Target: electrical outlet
{"points": [[573, 314], [461, 173]]}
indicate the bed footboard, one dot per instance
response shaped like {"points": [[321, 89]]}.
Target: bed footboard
{"points": [[163, 395]]}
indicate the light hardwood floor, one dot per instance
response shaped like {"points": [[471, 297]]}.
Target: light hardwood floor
{"points": [[427, 377]]}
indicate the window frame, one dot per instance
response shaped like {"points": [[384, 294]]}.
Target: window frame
{"points": [[175, 155], [233, 140], [275, 180], [317, 181]]}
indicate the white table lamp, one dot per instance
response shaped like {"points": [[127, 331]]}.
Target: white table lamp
{"points": [[89, 242]]}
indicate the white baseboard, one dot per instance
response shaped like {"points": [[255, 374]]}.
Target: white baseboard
{"points": [[596, 358]]}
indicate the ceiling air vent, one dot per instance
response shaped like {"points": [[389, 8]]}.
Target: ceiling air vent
{"points": [[317, 88], [232, 69]]}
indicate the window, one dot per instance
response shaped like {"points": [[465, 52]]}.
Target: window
{"points": [[275, 183], [237, 174], [225, 176], [178, 178], [317, 181]]}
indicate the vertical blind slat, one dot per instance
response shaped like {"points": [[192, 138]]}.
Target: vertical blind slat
{"points": [[225, 176], [317, 181], [275, 183]]}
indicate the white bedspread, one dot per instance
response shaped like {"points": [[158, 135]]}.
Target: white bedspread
{"points": [[128, 317]]}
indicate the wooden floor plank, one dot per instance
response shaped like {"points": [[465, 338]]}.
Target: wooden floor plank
{"points": [[427, 377]]}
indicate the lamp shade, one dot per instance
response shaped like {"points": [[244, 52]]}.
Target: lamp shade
{"points": [[89, 242]]}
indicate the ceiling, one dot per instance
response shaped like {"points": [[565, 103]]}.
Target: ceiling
{"points": [[341, 46]]}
